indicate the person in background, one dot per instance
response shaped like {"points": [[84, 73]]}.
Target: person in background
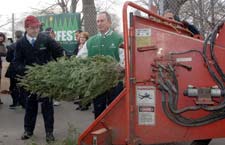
{"points": [[9, 41], [11, 74], [2, 53], [106, 42], [42, 27], [75, 46], [49, 31], [83, 37], [169, 15], [77, 38], [36, 47]]}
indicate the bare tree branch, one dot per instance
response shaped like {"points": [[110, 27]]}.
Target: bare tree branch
{"points": [[5, 24], [73, 6]]}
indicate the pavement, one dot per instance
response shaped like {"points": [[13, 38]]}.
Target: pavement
{"points": [[11, 123], [66, 116]]}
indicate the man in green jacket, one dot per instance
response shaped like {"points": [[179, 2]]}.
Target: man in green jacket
{"points": [[106, 42]]}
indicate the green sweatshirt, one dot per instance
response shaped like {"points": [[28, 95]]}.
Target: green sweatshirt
{"points": [[105, 44]]}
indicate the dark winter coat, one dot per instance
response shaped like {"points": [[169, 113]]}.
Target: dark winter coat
{"points": [[10, 73], [44, 50]]}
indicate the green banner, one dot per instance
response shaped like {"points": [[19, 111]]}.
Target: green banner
{"points": [[64, 26]]}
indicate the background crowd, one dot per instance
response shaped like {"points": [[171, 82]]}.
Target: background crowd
{"points": [[39, 46]]}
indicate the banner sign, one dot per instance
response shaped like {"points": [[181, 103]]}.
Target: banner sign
{"points": [[64, 26]]}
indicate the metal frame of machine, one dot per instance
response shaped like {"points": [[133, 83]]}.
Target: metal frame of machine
{"points": [[174, 86]]}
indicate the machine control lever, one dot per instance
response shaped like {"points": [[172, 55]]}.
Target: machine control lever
{"points": [[189, 68], [148, 48]]}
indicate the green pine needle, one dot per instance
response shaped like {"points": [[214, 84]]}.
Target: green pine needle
{"points": [[67, 79]]}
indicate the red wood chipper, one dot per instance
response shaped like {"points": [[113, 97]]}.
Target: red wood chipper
{"points": [[174, 85]]}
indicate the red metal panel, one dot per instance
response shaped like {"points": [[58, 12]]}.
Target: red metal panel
{"points": [[113, 118], [127, 117], [164, 129]]}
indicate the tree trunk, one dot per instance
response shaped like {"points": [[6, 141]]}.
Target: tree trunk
{"points": [[89, 16], [63, 6], [73, 6]]}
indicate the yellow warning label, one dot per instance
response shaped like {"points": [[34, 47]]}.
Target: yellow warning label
{"points": [[143, 37]]}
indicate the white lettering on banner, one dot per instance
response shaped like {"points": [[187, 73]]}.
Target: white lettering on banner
{"points": [[58, 34], [65, 35], [69, 36]]}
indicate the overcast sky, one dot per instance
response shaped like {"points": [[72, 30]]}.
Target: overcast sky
{"points": [[22, 8], [25, 6], [19, 6]]}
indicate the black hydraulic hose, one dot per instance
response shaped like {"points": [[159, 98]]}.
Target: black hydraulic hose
{"points": [[213, 75], [173, 117], [206, 108], [174, 91], [206, 43], [213, 56], [185, 52], [214, 108], [188, 122], [178, 118], [171, 100], [175, 83], [167, 87], [212, 38], [212, 52], [191, 108], [185, 109], [173, 97], [212, 43], [169, 83], [163, 77], [168, 114], [174, 106]]}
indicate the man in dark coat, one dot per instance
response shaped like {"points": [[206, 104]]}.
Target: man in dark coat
{"points": [[36, 48], [11, 74]]}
